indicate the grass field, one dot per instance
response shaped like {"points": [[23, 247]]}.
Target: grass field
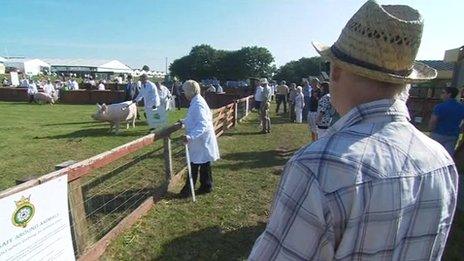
{"points": [[34, 138], [222, 225]]}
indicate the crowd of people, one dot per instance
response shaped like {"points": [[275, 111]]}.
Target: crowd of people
{"points": [[310, 103]]}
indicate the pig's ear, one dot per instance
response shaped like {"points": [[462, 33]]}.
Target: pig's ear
{"points": [[99, 106]]}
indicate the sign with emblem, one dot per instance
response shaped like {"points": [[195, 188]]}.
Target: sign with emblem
{"points": [[34, 223]]}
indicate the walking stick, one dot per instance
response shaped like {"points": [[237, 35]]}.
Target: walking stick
{"points": [[187, 156]]}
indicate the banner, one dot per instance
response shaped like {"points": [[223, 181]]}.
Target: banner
{"points": [[34, 223]]}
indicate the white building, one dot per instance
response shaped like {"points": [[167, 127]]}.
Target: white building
{"points": [[27, 66], [88, 66], [2, 66]]}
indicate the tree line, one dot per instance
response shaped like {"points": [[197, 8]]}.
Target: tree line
{"points": [[205, 62]]}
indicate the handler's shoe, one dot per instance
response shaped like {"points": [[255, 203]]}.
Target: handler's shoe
{"points": [[204, 191]]}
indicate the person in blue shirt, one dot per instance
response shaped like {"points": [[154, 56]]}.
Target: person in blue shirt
{"points": [[447, 119]]}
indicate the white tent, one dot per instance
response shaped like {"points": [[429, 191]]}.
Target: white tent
{"points": [[88, 65], [27, 66]]}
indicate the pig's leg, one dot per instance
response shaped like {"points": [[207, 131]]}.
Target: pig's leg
{"points": [[116, 125], [111, 127]]}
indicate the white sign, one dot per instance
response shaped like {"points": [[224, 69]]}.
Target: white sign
{"points": [[34, 223], [14, 78]]}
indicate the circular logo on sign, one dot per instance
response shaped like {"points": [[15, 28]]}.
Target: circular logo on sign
{"points": [[23, 213]]}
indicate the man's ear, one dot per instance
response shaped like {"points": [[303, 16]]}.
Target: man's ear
{"points": [[335, 72]]}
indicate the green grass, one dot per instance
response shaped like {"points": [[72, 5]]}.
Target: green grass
{"points": [[223, 225], [34, 138], [219, 226]]}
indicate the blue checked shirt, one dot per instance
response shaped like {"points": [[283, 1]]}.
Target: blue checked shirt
{"points": [[375, 188]]}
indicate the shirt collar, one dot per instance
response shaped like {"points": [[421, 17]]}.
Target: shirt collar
{"points": [[386, 110]]}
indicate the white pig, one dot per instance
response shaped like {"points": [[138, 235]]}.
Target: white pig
{"points": [[116, 113], [44, 97]]}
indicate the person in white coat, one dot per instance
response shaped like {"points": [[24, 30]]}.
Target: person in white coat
{"points": [[201, 139], [299, 104], [151, 100], [165, 98], [31, 90]]}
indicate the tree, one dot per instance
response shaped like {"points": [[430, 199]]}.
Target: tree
{"points": [[203, 62], [146, 68], [294, 71]]}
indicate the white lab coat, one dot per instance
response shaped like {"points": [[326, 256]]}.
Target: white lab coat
{"points": [[75, 85], [101, 87], [149, 94], [49, 89], [202, 142], [32, 89], [259, 93], [219, 89]]}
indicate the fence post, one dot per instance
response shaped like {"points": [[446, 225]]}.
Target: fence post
{"points": [[79, 221], [235, 113], [226, 114], [167, 153], [247, 105]]}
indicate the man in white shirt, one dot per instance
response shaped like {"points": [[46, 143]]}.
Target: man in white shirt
{"points": [[31, 90], [211, 88], [49, 88], [162, 109], [264, 107], [101, 86], [151, 100], [75, 85], [258, 96], [219, 89]]}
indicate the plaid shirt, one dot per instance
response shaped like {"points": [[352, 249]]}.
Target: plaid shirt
{"points": [[375, 188]]}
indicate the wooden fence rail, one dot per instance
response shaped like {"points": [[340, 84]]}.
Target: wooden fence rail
{"points": [[224, 118]]}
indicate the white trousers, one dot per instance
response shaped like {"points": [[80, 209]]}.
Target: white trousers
{"points": [[299, 114]]}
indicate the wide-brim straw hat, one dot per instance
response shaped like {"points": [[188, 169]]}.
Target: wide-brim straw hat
{"points": [[263, 81], [381, 42]]}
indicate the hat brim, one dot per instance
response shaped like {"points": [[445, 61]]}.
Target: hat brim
{"points": [[419, 73]]}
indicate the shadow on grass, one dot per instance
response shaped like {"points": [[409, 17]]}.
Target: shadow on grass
{"points": [[252, 160], [72, 123], [100, 132], [212, 244]]}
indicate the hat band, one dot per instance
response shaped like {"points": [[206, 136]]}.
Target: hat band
{"points": [[349, 59]]}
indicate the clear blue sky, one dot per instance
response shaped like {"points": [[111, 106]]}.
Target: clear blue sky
{"points": [[139, 32]]}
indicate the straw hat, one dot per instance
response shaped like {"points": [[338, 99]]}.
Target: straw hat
{"points": [[381, 43], [263, 81]]}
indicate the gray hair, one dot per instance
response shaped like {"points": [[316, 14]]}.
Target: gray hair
{"points": [[191, 88]]}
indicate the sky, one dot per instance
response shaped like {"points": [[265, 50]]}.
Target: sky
{"points": [[139, 32]]}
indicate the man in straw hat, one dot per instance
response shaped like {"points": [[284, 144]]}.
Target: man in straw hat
{"points": [[374, 187], [264, 106]]}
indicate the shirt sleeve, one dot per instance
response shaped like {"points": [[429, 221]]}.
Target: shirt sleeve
{"points": [[437, 110], [299, 227]]}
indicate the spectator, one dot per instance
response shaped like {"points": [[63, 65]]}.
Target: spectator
{"points": [[131, 90], [101, 86], [74, 85], [446, 119], [31, 90], [307, 89], [258, 96], [211, 88], [299, 104], [291, 99], [201, 139], [219, 88], [281, 96], [264, 106], [374, 188], [324, 111], [312, 114], [177, 92], [49, 88]]}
